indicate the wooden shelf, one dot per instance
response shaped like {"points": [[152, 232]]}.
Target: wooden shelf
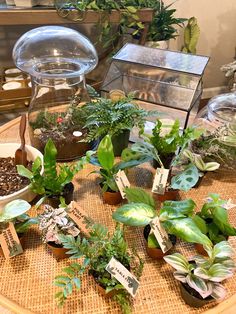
{"points": [[11, 16]]}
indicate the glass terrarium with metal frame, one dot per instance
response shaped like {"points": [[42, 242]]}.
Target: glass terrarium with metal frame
{"points": [[163, 80]]}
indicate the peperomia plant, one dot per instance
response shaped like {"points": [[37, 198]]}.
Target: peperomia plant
{"points": [[213, 219], [96, 252], [204, 274], [106, 160], [175, 216]]}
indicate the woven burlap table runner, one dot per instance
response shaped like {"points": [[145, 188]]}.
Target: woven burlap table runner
{"points": [[27, 279]]}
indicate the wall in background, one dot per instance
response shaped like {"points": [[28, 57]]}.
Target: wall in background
{"points": [[217, 21]]}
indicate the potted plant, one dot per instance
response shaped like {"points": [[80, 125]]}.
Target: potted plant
{"points": [[213, 221], [54, 222], [15, 211], [162, 29], [175, 217], [116, 118], [201, 277], [108, 169], [191, 36], [53, 183]]}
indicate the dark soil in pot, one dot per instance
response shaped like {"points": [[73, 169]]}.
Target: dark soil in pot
{"points": [[156, 253], [10, 180], [166, 160], [192, 297], [58, 250], [54, 200], [120, 142]]}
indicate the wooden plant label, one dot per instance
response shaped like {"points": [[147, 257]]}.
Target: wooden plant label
{"points": [[160, 181], [161, 235], [10, 242], [79, 216], [122, 182], [128, 280]]}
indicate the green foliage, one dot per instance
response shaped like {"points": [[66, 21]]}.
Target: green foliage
{"points": [[14, 209], [162, 25], [199, 163], [137, 195], [52, 181], [191, 36], [186, 179], [204, 274], [96, 252], [23, 222]]}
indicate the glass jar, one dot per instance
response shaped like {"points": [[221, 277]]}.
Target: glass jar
{"points": [[57, 59], [218, 119]]}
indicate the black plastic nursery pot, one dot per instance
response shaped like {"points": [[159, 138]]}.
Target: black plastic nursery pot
{"points": [[192, 297], [54, 200], [120, 142], [156, 253], [166, 160], [58, 251]]}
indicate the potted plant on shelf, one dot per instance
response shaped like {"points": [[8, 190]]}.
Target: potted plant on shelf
{"points": [[97, 252], [116, 118], [54, 222], [108, 169], [15, 211], [213, 221], [162, 29], [201, 277], [53, 183], [175, 217]]}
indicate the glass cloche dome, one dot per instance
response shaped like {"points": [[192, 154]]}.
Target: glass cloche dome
{"points": [[57, 59]]}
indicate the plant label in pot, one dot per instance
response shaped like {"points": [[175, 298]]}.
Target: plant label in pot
{"points": [[161, 235], [160, 181], [122, 182], [79, 216], [10, 242], [121, 273]]}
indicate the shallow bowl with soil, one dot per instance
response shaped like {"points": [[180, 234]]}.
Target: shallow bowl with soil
{"points": [[8, 150]]}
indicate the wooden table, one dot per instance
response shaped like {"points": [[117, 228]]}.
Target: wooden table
{"points": [[27, 279]]}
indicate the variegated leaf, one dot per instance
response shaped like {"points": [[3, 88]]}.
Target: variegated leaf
{"points": [[198, 284], [219, 272], [180, 276], [218, 291], [177, 261], [223, 249], [201, 272]]}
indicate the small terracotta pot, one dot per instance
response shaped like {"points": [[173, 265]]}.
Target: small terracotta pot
{"points": [[21, 237], [58, 252], [192, 300], [170, 195], [112, 198]]}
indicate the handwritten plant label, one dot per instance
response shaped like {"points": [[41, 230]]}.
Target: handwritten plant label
{"points": [[122, 182], [79, 216], [161, 235], [160, 181], [128, 280], [10, 242]]}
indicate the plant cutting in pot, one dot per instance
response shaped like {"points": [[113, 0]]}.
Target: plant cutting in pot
{"points": [[97, 252], [53, 183], [15, 212], [106, 160], [201, 277], [116, 118], [175, 217], [54, 222], [213, 221]]}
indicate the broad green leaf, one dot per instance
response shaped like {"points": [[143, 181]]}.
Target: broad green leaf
{"points": [[14, 209], [186, 179], [176, 209], [105, 153], [218, 291], [178, 262], [223, 249], [24, 172], [134, 214], [152, 241], [36, 164], [212, 166], [187, 230], [202, 273], [200, 223], [220, 218], [218, 273], [24, 226], [138, 195], [198, 161]]}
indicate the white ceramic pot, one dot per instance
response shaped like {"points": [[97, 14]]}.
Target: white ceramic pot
{"points": [[163, 44], [8, 150], [26, 3]]}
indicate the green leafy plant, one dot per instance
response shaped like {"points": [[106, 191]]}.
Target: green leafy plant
{"points": [[52, 181], [162, 25], [106, 160], [213, 219], [204, 274], [191, 36], [197, 160], [175, 216], [106, 116], [96, 252]]}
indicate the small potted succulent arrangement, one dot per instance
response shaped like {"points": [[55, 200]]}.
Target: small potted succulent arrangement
{"points": [[200, 277], [162, 29], [53, 183], [53, 223], [175, 217], [96, 252], [162, 146], [15, 212], [116, 117], [108, 169], [213, 221]]}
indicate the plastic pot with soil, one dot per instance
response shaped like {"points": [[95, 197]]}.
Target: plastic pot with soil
{"points": [[166, 160], [192, 297], [169, 195], [67, 194], [120, 142], [156, 253], [111, 197], [58, 251]]}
